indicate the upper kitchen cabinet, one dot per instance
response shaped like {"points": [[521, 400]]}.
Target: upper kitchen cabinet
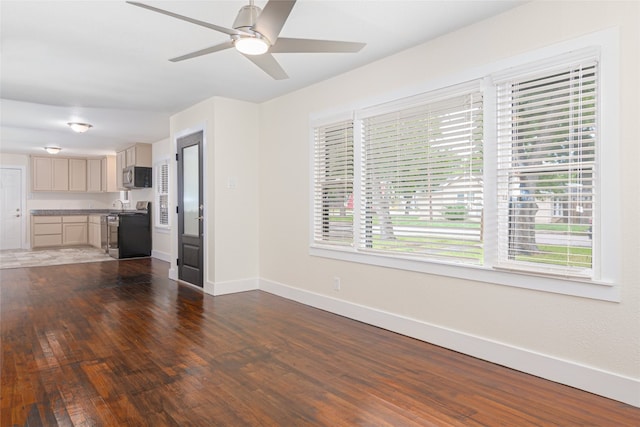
{"points": [[101, 175], [49, 174], [78, 175], [121, 161], [138, 155], [109, 174], [94, 175]]}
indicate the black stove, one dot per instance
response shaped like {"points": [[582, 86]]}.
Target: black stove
{"points": [[130, 232]]}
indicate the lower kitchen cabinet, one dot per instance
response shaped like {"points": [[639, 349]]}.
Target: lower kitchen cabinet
{"points": [[48, 231], [94, 231], [74, 230]]}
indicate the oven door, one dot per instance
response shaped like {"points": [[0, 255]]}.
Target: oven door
{"points": [[113, 223]]}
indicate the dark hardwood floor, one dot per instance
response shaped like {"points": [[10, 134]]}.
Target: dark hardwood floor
{"points": [[118, 344]]}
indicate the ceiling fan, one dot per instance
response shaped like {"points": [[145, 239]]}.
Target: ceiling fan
{"points": [[255, 34]]}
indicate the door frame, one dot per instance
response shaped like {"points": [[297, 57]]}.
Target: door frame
{"points": [[25, 235], [208, 209]]}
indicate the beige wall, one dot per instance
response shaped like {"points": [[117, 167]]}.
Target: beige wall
{"points": [[230, 190], [591, 334]]}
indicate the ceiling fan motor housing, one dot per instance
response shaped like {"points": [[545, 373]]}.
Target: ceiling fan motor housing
{"points": [[247, 17]]}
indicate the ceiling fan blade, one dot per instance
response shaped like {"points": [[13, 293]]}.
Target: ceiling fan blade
{"points": [[269, 65], [272, 18], [216, 48], [287, 45], [224, 30]]}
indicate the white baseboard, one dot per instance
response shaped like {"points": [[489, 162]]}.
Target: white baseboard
{"points": [[162, 256], [231, 286], [173, 273], [607, 384]]}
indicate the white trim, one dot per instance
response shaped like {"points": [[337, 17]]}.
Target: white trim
{"points": [[231, 286], [173, 274], [162, 256], [565, 286], [593, 380]]}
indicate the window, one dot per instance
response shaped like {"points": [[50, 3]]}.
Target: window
{"points": [[547, 133], [333, 179], [162, 194], [496, 179], [421, 185]]}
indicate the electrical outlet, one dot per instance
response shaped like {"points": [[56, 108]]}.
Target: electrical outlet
{"points": [[336, 283]]}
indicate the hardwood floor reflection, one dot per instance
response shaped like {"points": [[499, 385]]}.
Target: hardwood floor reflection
{"points": [[117, 343]]}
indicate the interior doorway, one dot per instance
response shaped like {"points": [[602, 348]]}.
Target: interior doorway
{"points": [[190, 209], [11, 208]]}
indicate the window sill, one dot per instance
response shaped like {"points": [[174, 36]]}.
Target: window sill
{"points": [[585, 288]]}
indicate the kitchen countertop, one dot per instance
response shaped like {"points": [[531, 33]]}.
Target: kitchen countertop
{"points": [[69, 212]]}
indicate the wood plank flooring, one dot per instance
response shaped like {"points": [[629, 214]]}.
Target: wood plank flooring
{"points": [[118, 344]]}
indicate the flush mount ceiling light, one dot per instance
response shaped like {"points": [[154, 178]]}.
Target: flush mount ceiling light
{"points": [[53, 150], [79, 127]]}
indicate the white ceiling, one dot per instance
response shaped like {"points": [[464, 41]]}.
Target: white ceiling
{"points": [[106, 62]]}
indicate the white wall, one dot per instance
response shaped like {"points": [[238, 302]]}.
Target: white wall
{"points": [[590, 344], [230, 191]]}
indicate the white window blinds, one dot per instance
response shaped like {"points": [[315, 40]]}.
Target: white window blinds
{"points": [[333, 184], [421, 185], [162, 194], [547, 133]]}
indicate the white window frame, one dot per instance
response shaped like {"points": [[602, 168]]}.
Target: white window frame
{"points": [[606, 234]]}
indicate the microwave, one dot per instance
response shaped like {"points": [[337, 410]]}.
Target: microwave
{"points": [[136, 177]]}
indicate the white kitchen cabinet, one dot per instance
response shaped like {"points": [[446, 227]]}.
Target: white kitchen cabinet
{"points": [[101, 175], [49, 174], [46, 231], [94, 231], [49, 231], [121, 163], [109, 175], [77, 174], [74, 230], [94, 175], [138, 155]]}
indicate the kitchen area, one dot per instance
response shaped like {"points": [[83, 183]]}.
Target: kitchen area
{"points": [[102, 202]]}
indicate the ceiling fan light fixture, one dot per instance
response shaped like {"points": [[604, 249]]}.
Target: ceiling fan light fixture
{"points": [[251, 45], [52, 149], [79, 127]]}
